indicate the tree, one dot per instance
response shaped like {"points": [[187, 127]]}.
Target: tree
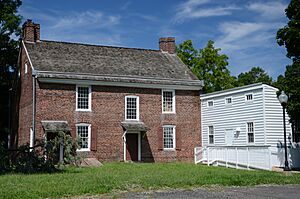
{"points": [[208, 65], [255, 75], [9, 32], [9, 28], [289, 36]]}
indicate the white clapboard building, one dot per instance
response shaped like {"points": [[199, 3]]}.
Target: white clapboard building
{"points": [[243, 128]]}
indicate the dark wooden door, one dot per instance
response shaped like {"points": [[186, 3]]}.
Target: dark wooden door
{"points": [[132, 147]]}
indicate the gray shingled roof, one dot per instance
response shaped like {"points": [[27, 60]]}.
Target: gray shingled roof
{"points": [[75, 58]]}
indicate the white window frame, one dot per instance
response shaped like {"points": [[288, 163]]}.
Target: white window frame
{"points": [[26, 68], [89, 136], [173, 101], [213, 103], [250, 132], [89, 100], [226, 102], [246, 100], [137, 107], [174, 137], [208, 133]]}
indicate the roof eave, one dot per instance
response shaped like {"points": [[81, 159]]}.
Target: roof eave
{"points": [[72, 78]]}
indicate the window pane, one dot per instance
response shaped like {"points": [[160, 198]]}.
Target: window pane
{"points": [[228, 100], [83, 97], [210, 103], [83, 135], [168, 137], [250, 137], [131, 108], [167, 101], [211, 134], [250, 131], [249, 97]]}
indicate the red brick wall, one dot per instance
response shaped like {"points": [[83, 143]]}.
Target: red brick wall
{"points": [[167, 45], [57, 102], [25, 104]]}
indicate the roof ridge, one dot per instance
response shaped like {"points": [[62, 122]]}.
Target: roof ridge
{"points": [[97, 45]]}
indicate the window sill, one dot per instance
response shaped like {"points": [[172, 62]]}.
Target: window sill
{"points": [[169, 150], [83, 110], [168, 112], [83, 150]]}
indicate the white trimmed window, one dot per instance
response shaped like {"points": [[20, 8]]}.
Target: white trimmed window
{"points": [[131, 108], [83, 132], [168, 101], [211, 134], [83, 98], [250, 132], [228, 100], [169, 136], [249, 97], [210, 103]]}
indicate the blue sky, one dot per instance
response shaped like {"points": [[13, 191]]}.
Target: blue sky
{"points": [[245, 30]]}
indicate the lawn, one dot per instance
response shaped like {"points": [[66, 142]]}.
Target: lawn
{"points": [[132, 177]]}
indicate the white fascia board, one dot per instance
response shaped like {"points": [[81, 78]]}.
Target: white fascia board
{"points": [[27, 55], [122, 84]]}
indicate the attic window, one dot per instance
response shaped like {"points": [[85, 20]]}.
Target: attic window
{"points": [[228, 100], [210, 103], [249, 97]]}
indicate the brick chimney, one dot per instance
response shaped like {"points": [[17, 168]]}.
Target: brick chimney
{"points": [[31, 31], [167, 44]]}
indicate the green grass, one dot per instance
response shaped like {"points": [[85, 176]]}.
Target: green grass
{"points": [[121, 176]]}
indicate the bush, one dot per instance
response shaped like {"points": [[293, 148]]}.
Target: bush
{"points": [[43, 157]]}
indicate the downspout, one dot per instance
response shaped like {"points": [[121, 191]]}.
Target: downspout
{"points": [[124, 145], [33, 105]]}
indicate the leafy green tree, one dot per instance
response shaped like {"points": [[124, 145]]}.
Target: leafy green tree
{"points": [[9, 29], [9, 33], [208, 65], [289, 36], [255, 75]]}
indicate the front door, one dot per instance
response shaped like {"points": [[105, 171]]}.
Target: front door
{"points": [[132, 147]]}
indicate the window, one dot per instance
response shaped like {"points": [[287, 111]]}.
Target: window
{"points": [[84, 135], [168, 101], [249, 97], [210, 103], [169, 137], [228, 100], [250, 132], [131, 108], [83, 98], [26, 68], [211, 134]]}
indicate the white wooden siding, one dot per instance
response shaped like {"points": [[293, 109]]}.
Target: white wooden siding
{"points": [[231, 116], [264, 111], [274, 117]]}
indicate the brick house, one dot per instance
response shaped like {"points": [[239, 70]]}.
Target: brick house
{"points": [[125, 104]]}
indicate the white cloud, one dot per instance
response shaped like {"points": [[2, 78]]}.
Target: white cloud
{"points": [[90, 26], [193, 9], [126, 5], [268, 10], [87, 19], [243, 35]]}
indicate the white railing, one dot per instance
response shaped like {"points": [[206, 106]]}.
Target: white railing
{"points": [[249, 157]]}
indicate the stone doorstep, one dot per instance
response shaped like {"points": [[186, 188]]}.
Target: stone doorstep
{"points": [[90, 162]]}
